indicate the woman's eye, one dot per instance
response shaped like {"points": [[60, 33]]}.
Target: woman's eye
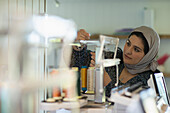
{"points": [[137, 50], [128, 43]]}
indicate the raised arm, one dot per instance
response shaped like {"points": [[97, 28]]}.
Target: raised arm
{"points": [[80, 55]]}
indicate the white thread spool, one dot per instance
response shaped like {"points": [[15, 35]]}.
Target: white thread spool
{"points": [[90, 80]]}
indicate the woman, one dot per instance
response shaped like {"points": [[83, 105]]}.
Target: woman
{"points": [[138, 56]]}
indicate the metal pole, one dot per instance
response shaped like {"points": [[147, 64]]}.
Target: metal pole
{"points": [[25, 3], [32, 7], [45, 6]]}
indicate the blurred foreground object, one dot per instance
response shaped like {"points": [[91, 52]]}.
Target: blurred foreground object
{"points": [[22, 83], [161, 61], [129, 99]]}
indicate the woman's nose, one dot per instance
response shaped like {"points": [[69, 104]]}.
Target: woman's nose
{"points": [[129, 50]]}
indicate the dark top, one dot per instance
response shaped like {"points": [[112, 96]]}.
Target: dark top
{"points": [[83, 58], [80, 58]]}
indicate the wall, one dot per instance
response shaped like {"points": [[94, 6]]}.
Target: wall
{"points": [[99, 16]]}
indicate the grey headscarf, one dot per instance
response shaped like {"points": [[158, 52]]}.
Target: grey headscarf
{"points": [[147, 62]]}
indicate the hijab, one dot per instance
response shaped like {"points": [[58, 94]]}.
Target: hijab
{"points": [[148, 62]]}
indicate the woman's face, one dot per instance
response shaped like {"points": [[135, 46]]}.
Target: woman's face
{"points": [[133, 50]]}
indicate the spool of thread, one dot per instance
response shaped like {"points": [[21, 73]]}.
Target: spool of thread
{"points": [[56, 91], [90, 80], [49, 93], [78, 84], [69, 89], [84, 78]]}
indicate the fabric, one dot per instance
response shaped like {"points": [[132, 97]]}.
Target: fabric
{"points": [[147, 62], [80, 58]]}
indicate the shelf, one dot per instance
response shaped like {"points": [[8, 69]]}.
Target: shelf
{"points": [[164, 36], [96, 36], [166, 74]]}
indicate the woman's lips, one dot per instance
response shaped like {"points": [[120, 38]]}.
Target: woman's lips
{"points": [[127, 57]]}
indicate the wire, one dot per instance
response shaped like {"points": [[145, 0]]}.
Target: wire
{"points": [[117, 75]]}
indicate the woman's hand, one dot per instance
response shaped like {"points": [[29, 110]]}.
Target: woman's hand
{"points": [[92, 62], [82, 35]]}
